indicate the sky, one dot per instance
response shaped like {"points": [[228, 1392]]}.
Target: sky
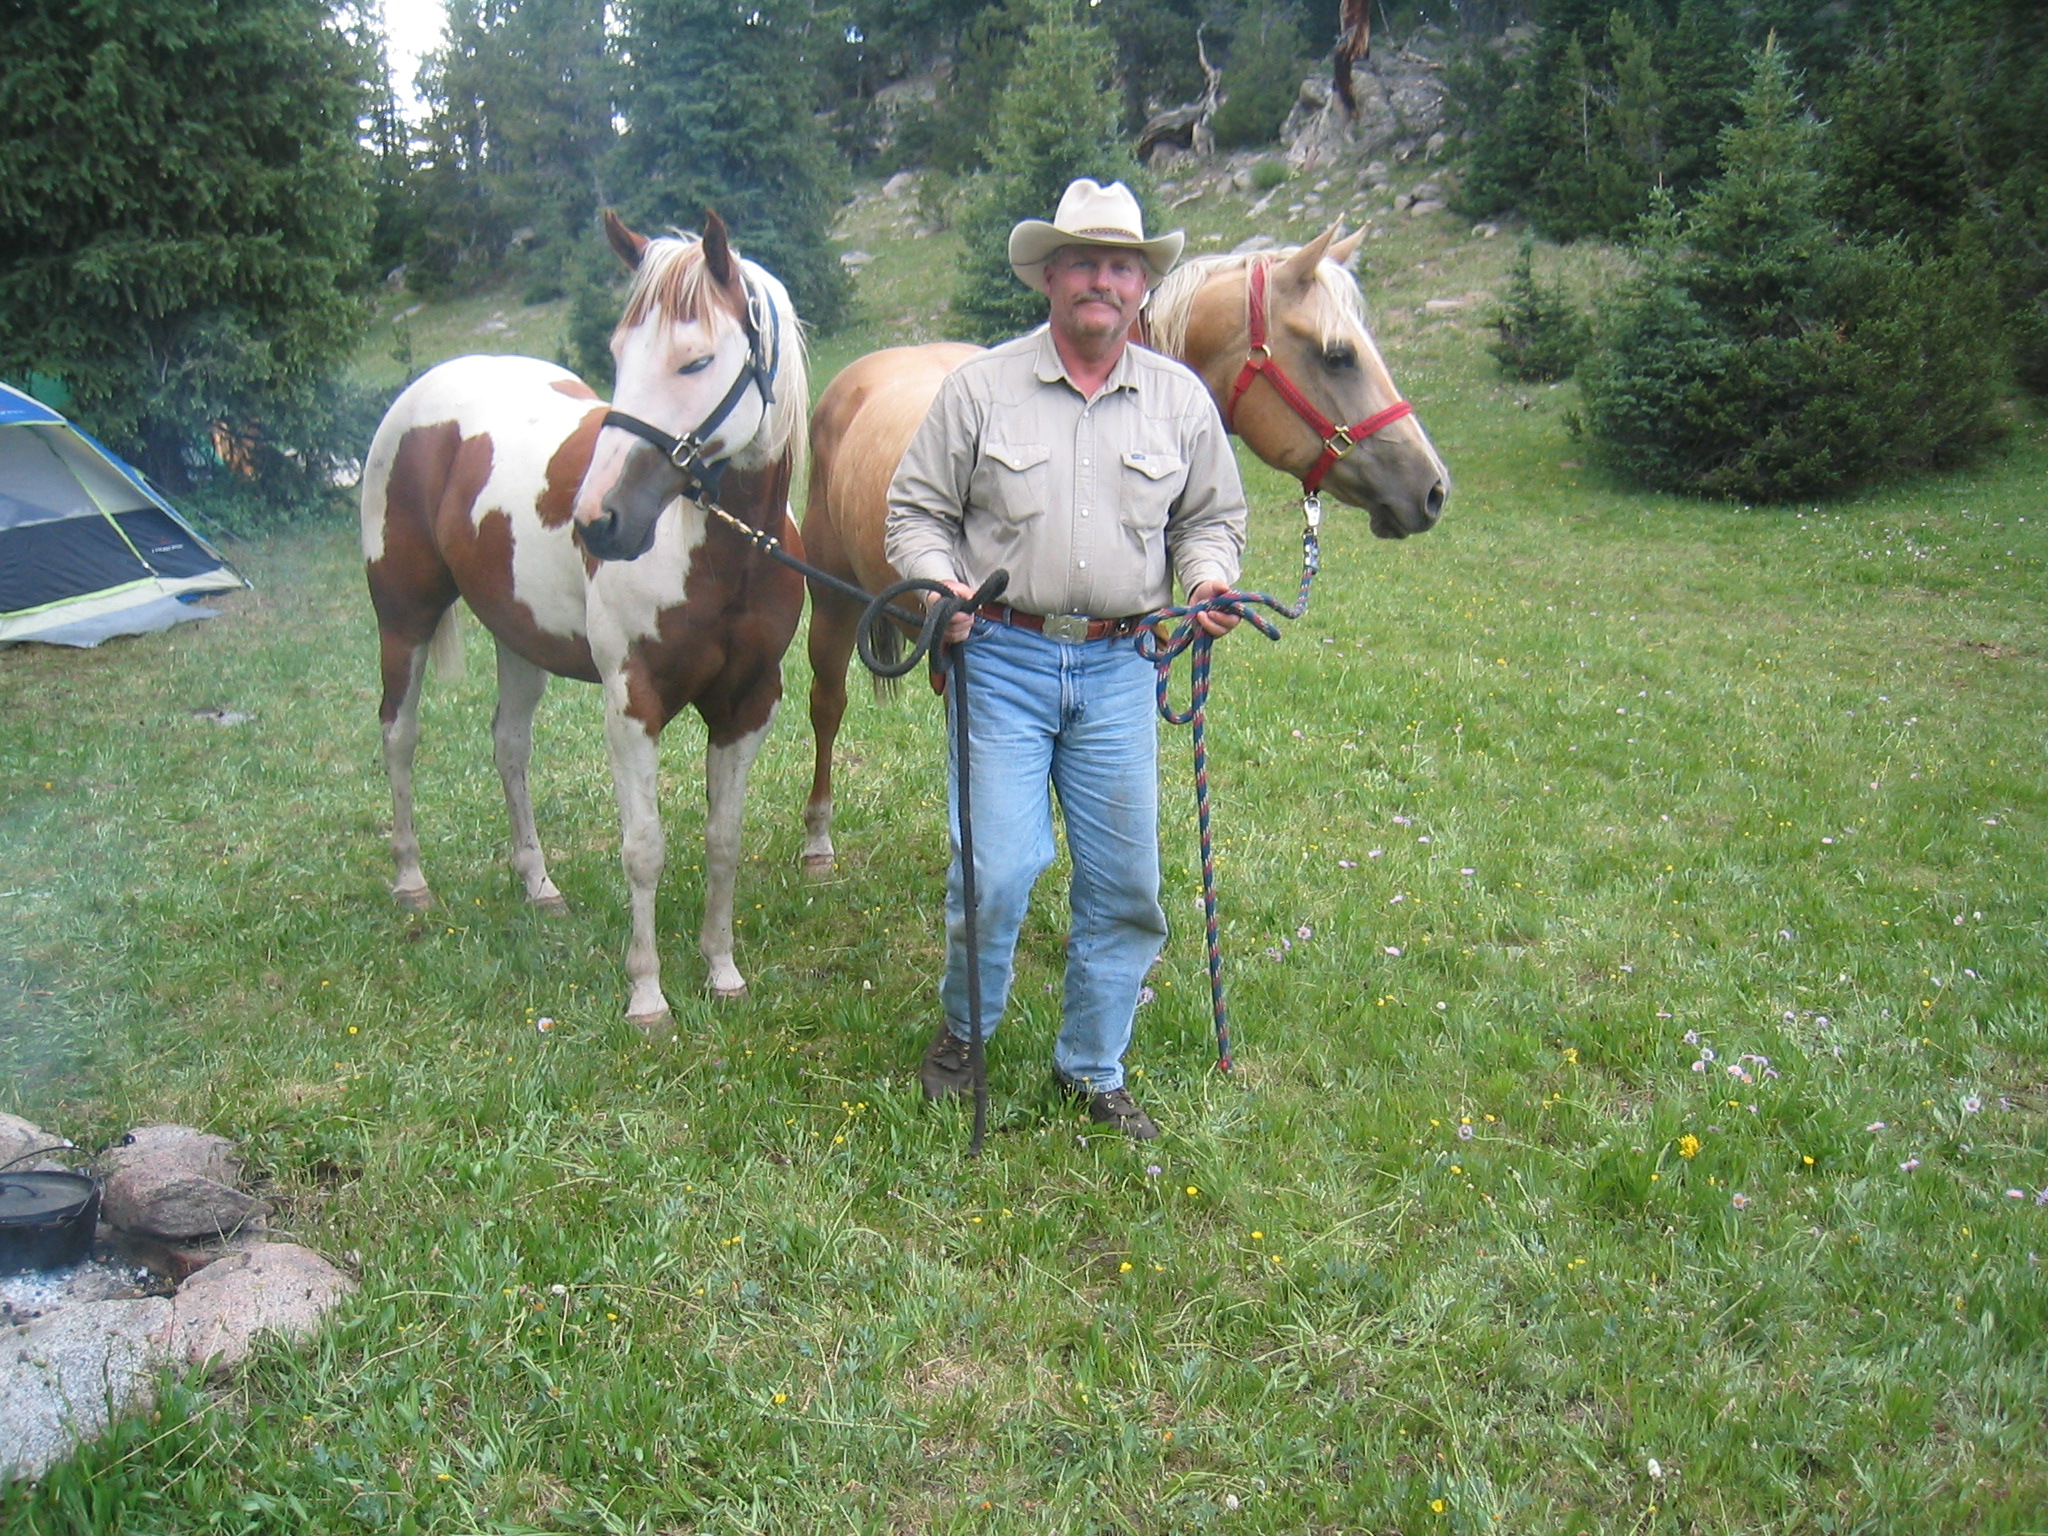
{"points": [[411, 27]]}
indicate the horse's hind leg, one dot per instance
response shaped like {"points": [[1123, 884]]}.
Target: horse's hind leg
{"points": [[833, 622], [404, 663], [725, 792], [520, 686]]}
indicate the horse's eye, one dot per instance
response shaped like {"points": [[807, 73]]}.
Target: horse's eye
{"points": [[1340, 356], [698, 366]]}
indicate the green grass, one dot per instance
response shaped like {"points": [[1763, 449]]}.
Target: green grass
{"points": [[1608, 771]]}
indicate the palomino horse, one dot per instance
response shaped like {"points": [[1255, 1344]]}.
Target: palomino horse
{"points": [[1237, 321], [488, 474]]}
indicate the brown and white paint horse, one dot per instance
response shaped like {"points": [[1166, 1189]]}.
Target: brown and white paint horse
{"points": [[1314, 331], [503, 480]]}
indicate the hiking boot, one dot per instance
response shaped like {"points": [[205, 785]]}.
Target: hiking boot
{"points": [[944, 1072], [1115, 1109]]}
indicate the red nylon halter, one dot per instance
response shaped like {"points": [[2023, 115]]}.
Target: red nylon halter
{"points": [[1337, 441]]}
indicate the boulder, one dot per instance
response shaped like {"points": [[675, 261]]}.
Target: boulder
{"points": [[65, 1377], [276, 1288], [19, 1137], [173, 1182]]}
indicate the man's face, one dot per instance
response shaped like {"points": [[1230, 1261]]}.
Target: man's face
{"points": [[1096, 291]]}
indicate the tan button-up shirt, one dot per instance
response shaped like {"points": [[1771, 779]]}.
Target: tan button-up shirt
{"points": [[1092, 506]]}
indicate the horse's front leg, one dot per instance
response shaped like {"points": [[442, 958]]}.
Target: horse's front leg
{"points": [[726, 766], [636, 759]]}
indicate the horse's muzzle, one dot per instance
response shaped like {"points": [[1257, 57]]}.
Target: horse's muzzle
{"points": [[613, 536]]}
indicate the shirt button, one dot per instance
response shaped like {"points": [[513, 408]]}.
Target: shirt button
{"points": [[1083, 564], [1084, 463], [1084, 511]]}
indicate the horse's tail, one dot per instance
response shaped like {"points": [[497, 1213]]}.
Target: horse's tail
{"points": [[444, 651], [888, 647]]}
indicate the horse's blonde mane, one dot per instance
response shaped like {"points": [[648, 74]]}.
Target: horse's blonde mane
{"points": [[1339, 309], [674, 280]]}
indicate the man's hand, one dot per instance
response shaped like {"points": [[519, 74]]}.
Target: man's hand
{"points": [[1213, 623], [963, 621]]}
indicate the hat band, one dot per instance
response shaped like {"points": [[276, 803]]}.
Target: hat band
{"points": [[1107, 234]]}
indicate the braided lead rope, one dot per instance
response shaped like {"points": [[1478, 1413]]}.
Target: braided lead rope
{"points": [[1191, 637]]}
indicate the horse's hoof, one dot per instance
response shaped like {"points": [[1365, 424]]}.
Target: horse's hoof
{"points": [[730, 994], [658, 1027], [413, 900], [819, 866], [553, 906]]}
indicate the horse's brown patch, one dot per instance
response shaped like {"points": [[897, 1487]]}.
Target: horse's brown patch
{"points": [[721, 647], [411, 586], [485, 564], [575, 389], [557, 500]]}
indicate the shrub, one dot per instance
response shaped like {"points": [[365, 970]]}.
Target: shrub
{"points": [[1765, 356], [1542, 335]]}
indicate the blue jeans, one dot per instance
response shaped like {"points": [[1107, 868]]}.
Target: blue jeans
{"points": [[1077, 718]]}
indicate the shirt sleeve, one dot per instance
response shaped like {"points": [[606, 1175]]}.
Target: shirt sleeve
{"points": [[928, 495], [1205, 534]]}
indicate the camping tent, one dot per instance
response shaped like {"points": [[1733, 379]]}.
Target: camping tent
{"points": [[87, 549]]}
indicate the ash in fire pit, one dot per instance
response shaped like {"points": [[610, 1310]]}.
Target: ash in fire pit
{"points": [[181, 1273]]}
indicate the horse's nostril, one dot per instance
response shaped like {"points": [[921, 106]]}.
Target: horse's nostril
{"points": [[1434, 502]]}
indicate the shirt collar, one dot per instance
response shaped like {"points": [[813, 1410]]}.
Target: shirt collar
{"points": [[1051, 370]]}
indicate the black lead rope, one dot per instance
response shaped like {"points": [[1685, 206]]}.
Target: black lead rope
{"points": [[881, 610]]}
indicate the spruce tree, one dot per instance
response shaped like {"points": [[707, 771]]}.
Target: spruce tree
{"points": [[1056, 120], [1262, 74], [519, 124], [719, 99], [1764, 355], [182, 209]]}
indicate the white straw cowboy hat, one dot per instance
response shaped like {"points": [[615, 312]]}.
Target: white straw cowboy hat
{"points": [[1091, 214]]}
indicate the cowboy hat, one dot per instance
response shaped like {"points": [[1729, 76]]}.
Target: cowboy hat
{"points": [[1091, 214]]}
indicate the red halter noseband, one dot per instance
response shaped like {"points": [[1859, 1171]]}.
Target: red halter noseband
{"points": [[1337, 441]]}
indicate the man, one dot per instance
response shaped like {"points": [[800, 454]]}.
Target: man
{"points": [[1095, 472]]}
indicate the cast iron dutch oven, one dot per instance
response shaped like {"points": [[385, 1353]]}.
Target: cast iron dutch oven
{"points": [[46, 1219]]}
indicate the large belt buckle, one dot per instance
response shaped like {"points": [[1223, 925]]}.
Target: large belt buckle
{"points": [[1068, 628]]}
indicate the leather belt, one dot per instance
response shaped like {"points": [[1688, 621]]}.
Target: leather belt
{"points": [[1073, 628]]}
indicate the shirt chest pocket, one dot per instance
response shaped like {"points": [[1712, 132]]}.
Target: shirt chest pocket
{"points": [[1011, 483], [1149, 482]]}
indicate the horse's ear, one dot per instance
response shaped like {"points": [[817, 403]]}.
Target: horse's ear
{"points": [[631, 247], [1341, 251], [717, 250], [1300, 268]]}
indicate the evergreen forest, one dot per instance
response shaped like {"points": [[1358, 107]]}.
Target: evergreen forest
{"points": [[202, 194]]}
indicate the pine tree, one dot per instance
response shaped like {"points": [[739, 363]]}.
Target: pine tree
{"points": [[1541, 335], [720, 101], [1262, 74], [182, 209], [1056, 120], [1765, 355], [519, 125]]}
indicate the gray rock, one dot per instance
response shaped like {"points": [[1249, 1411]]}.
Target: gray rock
{"points": [[171, 1181], [1253, 243], [1423, 205], [160, 1202], [19, 1137], [853, 261], [64, 1378], [175, 1146], [899, 184], [277, 1288]]}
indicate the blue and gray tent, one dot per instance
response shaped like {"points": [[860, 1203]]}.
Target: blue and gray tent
{"points": [[87, 548]]}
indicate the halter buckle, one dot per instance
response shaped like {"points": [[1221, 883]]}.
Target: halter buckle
{"points": [[687, 453], [1339, 443]]}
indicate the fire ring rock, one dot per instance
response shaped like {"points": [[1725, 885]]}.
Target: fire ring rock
{"points": [[277, 1288], [62, 1378]]}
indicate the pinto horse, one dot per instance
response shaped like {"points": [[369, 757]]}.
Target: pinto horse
{"points": [[577, 535], [1282, 343]]}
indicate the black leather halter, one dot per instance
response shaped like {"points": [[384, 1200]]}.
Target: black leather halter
{"points": [[701, 476]]}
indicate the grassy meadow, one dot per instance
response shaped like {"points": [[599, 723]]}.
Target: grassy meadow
{"points": [[1635, 928]]}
